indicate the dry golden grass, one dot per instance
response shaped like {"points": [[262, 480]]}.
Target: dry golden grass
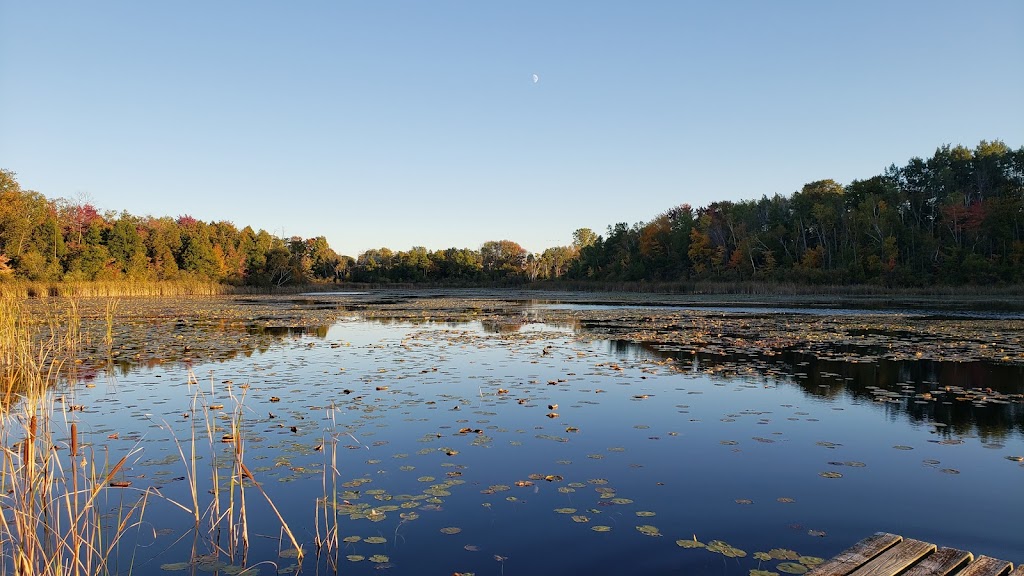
{"points": [[54, 496]]}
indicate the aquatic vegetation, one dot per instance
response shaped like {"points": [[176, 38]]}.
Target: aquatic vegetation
{"points": [[389, 438]]}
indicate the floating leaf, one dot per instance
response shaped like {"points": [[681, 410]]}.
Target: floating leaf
{"points": [[645, 513], [580, 518], [451, 530], [291, 553], [565, 510], [785, 500], [783, 554], [375, 540], [648, 530], [792, 568], [175, 566], [690, 543], [744, 501], [379, 559], [725, 549], [902, 447], [351, 539], [754, 572], [601, 528], [830, 474], [355, 558], [811, 560], [762, 556]]}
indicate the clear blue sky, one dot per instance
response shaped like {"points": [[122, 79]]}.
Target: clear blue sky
{"points": [[391, 123]]}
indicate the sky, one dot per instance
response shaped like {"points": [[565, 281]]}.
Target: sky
{"points": [[412, 123]]}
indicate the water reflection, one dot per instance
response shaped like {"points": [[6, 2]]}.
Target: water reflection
{"points": [[289, 331], [962, 398], [447, 425]]}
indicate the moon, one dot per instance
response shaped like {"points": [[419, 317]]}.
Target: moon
{"points": [[536, 78]]}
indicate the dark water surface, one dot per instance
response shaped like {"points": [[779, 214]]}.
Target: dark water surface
{"points": [[646, 446]]}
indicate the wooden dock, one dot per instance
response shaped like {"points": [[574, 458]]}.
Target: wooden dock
{"points": [[887, 554]]}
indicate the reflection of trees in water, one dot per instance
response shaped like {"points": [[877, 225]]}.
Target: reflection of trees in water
{"points": [[995, 417], [217, 342], [505, 324]]}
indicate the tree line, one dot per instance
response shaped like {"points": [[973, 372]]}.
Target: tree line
{"points": [[954, 218], [65, 240]]}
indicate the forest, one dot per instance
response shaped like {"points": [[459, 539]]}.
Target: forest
{"points": [[952, 219]]}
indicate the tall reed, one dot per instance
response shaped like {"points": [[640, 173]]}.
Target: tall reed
{"points": [[222, 521], [56, 490], [327, 541], [52, 491]]}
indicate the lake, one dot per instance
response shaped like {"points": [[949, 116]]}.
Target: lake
{"points": [[544, 437]]}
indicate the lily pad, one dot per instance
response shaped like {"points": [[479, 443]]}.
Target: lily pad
{"points": [[648, 530], [725, 549], [791, 568], [783, 554]]}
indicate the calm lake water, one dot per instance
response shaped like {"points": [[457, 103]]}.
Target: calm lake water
{"points": [[630, 449]]}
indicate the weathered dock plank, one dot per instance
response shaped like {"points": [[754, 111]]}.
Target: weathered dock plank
{"points": [[943, 562], [896, 559], [985, 566], [861, 552], [885, 554]]}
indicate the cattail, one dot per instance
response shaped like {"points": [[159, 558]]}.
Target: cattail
{"points": [[30, 440], [74, 439]]}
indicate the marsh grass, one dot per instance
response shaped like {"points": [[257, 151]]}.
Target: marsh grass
{"points": [[221, 520], [113, 289], [65, 507], [53, 493], [144, 288], [327, 537], [109, 314]]}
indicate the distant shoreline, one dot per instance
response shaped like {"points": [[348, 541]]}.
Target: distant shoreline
{"points": [[1006, 297]]}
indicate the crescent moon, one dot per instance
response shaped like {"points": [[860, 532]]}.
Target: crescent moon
{"points": [[536, 78]]}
